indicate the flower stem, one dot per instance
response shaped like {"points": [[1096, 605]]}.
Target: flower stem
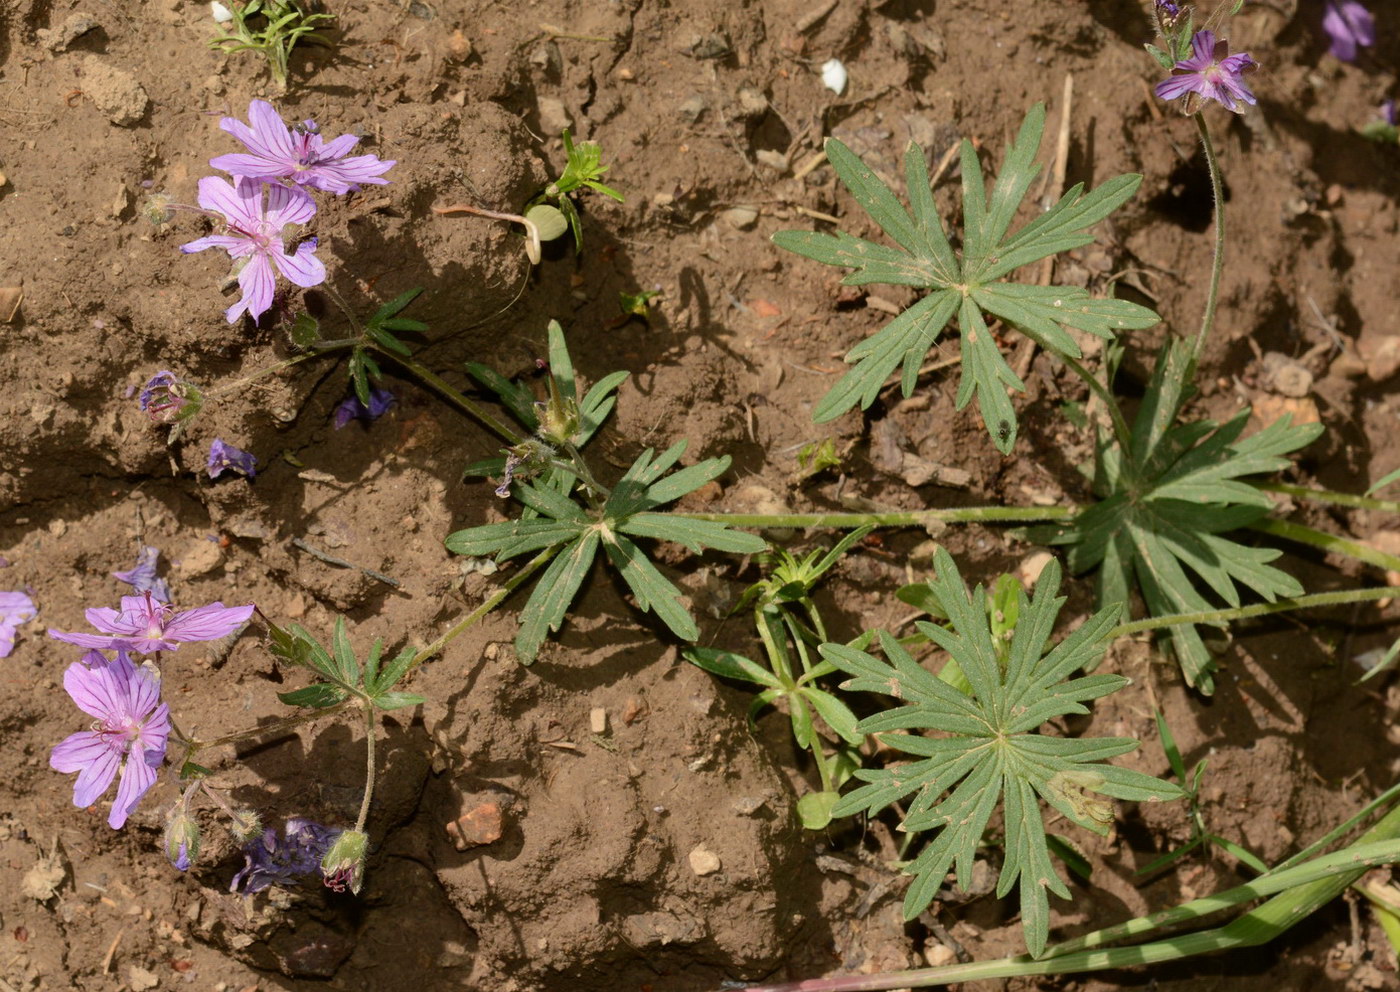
{"points": [[1110, 402], [898, 518], [345, 308], [275, 727], [487, 605], [440, 386], [1324, 541], [317, 350], [1257, 610], [369, 767], [1328, 496], [1218, 262]]}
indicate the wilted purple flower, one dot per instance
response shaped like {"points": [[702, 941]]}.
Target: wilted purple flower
{"points": [[254, 236], [298, 153], [1211, 73], [1348, 24], [1388, 113], [128, 736], [1168, 10], [143, 577], [226, 456], [15, 608], [270, 860], [143, 625], [352, 409], [343, 867]]}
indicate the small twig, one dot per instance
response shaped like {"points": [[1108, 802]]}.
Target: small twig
{"points": [[330, 559], [814, 16]]}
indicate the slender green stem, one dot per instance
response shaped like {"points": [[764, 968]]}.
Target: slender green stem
{"points": [[244, 826], [318, 350], [581, 469], [1328, 496], [1301, 891], [487, 605], [369, 767], [1257, 610], [1323, 541], [440, 386], [1110, 402], [345, 308], [275, 727], [899, 518], [1217, 266]]}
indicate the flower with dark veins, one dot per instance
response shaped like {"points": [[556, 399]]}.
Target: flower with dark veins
{"points": [[1211, 73], [225, 456], [144, 625], [351, 408], [1349, 26], [299, 153], [254, 238], [143, 576], [127, 738], [272, 860], [15, 608]]}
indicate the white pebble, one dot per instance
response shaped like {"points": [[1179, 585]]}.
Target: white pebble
{"points": [[834, 76]]}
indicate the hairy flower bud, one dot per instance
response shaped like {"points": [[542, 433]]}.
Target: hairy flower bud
{"points": [[245, 825], [181, 837], [344, 864]]}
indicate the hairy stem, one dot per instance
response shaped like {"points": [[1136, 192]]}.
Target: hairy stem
{"points": [[317, 350], [898, 518], [454, 396], [487, 605], [1328, 496], [1218, 262], [1257, 610], [369, 767], [345, 308], [1110, 402], [275, 727], [1324, 541]]}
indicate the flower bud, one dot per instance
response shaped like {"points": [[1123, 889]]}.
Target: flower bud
{"points": [[167, 399], [344, 864], [245, 826], [181, 837], [559, 420]]}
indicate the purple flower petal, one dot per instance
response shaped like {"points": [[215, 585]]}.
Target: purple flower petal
{"points": [[257, 282], [137, 777], [239, 204], [207, 623], [304, 268], [77, 751], [289, 205], [15, 608]]}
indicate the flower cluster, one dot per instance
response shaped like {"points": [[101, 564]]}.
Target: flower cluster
{"points": [[268, 194], [273, 860], [128, 736]]}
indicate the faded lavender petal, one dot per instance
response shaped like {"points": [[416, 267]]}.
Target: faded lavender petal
{"points": [[298, 153], [15, 608], [143, 577], [351, 408], [1211, 73], [272, 860], [1348, 25], [144, 625], [254, 237], [127, 738], [225, 456]]}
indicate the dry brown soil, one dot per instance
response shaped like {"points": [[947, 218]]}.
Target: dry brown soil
{"points": [[591, 885]]}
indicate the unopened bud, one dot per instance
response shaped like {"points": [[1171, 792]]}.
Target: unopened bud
{"points": [[245, 825], [344, 864], [181, 837]]}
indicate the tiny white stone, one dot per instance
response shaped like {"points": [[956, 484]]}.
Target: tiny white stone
{"points": [[834, 76], [221, 13]]}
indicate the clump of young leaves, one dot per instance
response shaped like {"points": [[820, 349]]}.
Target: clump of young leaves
{"points": [[969, 285], [988, 749], [583, 166], [272, 28], [784, 613], [1167, 502], [570, 516], [381, 329], [373, 683]]}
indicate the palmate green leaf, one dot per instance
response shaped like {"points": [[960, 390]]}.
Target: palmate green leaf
{"points": [[1164, 514], [579, 531], [989, 750], [969, 287]]}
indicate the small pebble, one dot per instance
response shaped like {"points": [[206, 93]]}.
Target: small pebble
{"points": [[703, 861]]}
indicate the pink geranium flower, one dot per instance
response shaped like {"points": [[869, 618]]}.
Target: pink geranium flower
{"points": [[129, 734], [15, 608], [276, 151], [254, 236], [1211, 73], [144, 625]]}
